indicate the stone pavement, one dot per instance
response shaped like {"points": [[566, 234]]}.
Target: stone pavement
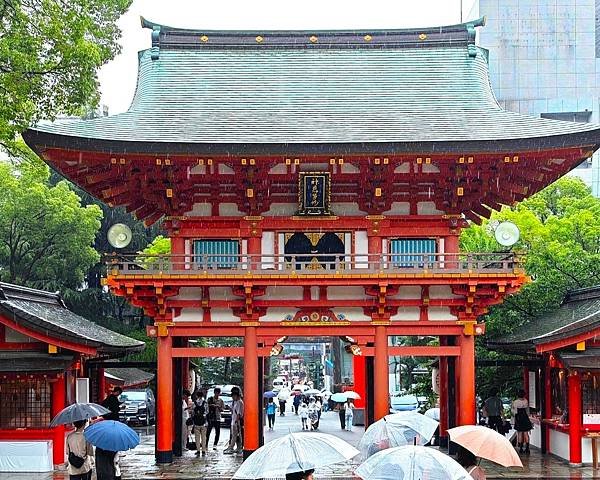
{"points": [[139, 463]]}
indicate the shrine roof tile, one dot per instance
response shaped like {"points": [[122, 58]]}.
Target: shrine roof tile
{"points": [[579, 313], [396, 94], [46, 313]]}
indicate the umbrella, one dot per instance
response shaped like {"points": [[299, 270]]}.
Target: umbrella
{"points": [[283, 394], [352, 395], [395, 431], [295, 452], [339, 397], [411, 462], [296, 392], [433, 413], [486, 443], [111, 435], [313, 391], [270, 394], [78, 411]]}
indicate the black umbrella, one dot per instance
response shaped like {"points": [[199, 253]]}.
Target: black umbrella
{"points": [[77, 412]]}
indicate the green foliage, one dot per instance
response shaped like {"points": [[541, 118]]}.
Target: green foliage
{"points": [[50, 51], [560, 240], [46, 236], [153, 256]]}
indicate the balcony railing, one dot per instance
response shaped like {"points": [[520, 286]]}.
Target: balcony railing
{"points": [[318, 264]]}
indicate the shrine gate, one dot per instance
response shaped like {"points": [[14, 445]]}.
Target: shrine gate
{"points": [[322, 174]]}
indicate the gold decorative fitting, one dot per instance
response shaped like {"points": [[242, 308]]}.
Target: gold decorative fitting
{"points": [[378, 192], [516, 158], [252, 161], [461, 160], [386, 161], [113, 160], [122, 161], [158, 161], [288, 161], [368, 38], [459, 191], [506, 159], [204, 38], [428, 160], [313, 39], [332, 161], [259, 39], [296, 161], [341, 161], [167, 161], [200, 161], [243, 161], [250, 192], [377, 161], [470, 160], [169, 193], [419, 160], [422, 36], [209, 161]]}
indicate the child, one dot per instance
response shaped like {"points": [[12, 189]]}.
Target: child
{"points": [[303, 412], [349, 415]]}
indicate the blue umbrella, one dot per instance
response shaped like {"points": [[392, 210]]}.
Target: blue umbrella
{"points": [[111, 435], [269, 394]]}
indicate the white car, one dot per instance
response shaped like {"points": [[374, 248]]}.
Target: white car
{"points": [[278, 384], [300, 387]]}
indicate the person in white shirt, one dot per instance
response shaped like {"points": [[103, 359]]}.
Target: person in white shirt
{"points": [[520, 412], [303, 411], [349, 415], [236, 434]]}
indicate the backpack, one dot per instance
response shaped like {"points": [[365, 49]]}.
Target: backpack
{"points": [[200, 413]]}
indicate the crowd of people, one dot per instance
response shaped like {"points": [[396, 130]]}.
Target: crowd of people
{"points": [[202, 416]]}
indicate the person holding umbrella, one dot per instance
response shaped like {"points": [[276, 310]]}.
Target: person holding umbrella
{"points": [[297, 401], [270, 409], [305, 475], [349, 414], [80, 451], [469, 462]]}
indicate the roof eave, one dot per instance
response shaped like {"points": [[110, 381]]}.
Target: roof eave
{"points": [[40, 140]]}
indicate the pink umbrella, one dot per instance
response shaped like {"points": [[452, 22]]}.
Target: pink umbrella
{"points": [[486, 443]]}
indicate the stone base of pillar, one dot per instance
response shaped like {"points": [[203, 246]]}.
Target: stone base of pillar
{"points": [[164, 457]]}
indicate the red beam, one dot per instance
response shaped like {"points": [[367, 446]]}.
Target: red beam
{"points": [[565, 342]]}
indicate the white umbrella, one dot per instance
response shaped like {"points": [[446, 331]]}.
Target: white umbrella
{"points": [[411, 462], [352, 395], [295, 452], [396, 430], [433, 413], [486, 443], [283, 394]]}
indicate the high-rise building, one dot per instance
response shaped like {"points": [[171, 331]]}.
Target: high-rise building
{"points": [[543, 60]]}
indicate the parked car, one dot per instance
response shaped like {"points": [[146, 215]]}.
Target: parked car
{"points": [[139, 406], [403, 403], [278, 384]]}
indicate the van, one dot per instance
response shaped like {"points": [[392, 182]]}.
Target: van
{"points": [[278, 384]]}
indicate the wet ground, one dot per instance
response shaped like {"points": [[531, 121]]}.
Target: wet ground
{"points": [[139, 463]]}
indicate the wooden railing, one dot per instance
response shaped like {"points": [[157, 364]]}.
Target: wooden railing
{"points": [[318, 264]]}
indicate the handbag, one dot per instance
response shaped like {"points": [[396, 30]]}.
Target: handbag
{"points": [[76, 460], [191, 443], [189, 421]]}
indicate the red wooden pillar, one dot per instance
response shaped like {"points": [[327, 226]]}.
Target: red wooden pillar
{"points": [[466, 380], [101, 385], [547, 400], [59, 399], [381, 373], [575, 418], [251, 412], [375, 247], [360, 381], [164, 401], [254, 250], [443, 385], [178, 252]]}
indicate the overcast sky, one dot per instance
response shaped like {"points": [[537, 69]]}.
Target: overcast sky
{"points": [[117, 79]]}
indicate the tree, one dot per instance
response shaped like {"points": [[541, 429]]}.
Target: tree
{"points": [[560, 243], [50, 51], [46, 236]]}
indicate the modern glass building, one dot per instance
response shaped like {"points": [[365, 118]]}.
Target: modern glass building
{"points": [[544, 61]]}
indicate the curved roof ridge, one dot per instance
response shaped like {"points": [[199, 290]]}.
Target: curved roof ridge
{"points": [[461, 34]]}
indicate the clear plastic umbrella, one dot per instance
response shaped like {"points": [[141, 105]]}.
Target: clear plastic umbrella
{"points": [[295, 452], [396, 430], [411, 462], [77, 412]]}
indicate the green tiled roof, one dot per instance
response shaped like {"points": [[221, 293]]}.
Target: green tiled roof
{"points": [[579, 313], [45, 312], [394, 90]]}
